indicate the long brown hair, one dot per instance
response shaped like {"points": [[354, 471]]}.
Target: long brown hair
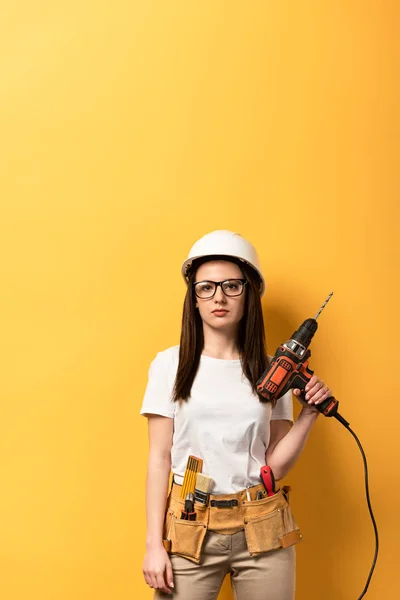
{"points": [[251, 335]]}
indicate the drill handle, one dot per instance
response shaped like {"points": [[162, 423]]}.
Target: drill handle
{"points": [[300, 379], [329, 407]]}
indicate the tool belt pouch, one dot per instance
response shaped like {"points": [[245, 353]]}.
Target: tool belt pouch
{"points": [[269, 524], [181, 536]]}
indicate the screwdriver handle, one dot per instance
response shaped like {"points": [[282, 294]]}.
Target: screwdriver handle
{"points": [[268, 479]]}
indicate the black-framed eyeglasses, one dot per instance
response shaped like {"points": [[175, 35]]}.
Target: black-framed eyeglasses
{"points": [[230, 287]]}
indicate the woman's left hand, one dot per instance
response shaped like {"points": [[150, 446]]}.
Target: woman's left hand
{"points": [[316, 391]]}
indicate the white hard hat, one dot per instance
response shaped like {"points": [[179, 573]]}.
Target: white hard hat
{"points": [[225, 243]]}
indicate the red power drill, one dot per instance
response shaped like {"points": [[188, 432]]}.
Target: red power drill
{"points": [[289, 369]]}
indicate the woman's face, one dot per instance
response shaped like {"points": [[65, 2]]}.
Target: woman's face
{"points": [[220, 270]]}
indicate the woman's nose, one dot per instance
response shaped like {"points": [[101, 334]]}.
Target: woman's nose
{"points": [[219, 294]]}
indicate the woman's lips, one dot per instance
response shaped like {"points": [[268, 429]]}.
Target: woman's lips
{"points": [[220, 313]]}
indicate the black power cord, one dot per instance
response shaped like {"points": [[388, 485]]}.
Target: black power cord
{"points": [[346, 424], [370, 512]]}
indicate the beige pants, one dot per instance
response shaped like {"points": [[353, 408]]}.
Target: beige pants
{"points": [[268, 576]]}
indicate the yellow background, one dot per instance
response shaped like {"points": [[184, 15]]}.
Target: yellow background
{"points": [[128, 130]]}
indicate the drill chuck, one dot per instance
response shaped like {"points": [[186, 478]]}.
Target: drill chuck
{"points": [[305, 332]]}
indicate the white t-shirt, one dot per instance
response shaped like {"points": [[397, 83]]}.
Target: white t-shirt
{"points": [[222, 422]]}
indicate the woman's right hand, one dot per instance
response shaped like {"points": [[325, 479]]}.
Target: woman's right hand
{"points": [[157, 569]]}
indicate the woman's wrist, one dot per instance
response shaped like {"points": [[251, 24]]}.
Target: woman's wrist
{"points": [[154, 544], [309, 413]]}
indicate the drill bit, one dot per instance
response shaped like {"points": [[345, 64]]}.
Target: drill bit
{"points": [[323, 306]]}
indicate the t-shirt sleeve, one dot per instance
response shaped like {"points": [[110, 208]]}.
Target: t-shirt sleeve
{"points": [[157, 396], [283, 409]]}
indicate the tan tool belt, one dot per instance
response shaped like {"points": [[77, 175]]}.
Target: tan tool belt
{"points": [[268, 523]]}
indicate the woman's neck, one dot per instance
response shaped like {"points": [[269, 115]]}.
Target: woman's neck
{"points": [[220, 344]]}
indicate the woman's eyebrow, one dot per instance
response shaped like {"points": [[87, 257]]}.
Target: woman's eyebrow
{"points": [[212, 281]]}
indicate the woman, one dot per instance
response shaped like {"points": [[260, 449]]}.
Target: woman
{"points": [[201, 400]]}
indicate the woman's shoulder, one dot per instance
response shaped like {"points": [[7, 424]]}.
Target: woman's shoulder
{"points": [[168, 355]]}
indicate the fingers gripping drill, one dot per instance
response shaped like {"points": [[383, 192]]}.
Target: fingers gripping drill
{"points": [[289, 369]]}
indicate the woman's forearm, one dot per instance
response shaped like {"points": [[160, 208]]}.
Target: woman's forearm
{"points": [[158, 472], [286, 452]]}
